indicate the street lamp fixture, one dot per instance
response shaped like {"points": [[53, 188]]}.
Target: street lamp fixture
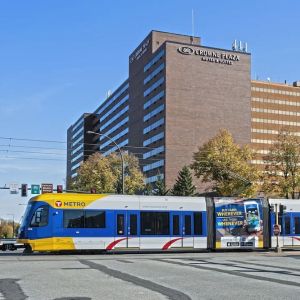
{"points": [[121, 155]]}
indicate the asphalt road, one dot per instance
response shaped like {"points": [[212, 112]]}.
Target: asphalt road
{"points": [[247, 275]]}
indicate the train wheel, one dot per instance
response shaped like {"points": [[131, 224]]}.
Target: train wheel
{"points": [[27, 250]]}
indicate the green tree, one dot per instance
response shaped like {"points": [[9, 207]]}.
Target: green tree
{"points": [[282, 171], [159, 188], [184, 183], [104, 174], [226, 165]]}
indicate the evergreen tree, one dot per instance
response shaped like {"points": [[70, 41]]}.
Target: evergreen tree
{"points": [[184, 183], [160, 187]]}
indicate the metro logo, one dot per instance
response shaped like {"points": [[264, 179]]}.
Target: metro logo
{"points": [[58, 203]]}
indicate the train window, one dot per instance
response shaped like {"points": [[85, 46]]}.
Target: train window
{"points": [[287, 225], [197, 223], [297, 225], [176, 225], [120, 224], [188, 225], [40, 217], [74, 218], [133, 224], [94, 219], [155, 223]]}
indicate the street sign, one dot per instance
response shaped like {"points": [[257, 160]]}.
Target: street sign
{"points": [[14, 188], [276, 229], [47, 188], [35, 189]]}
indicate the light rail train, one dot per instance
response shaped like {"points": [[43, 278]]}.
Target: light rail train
{"points": [[60, 222]]}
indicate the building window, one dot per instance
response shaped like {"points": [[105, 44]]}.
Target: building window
{"points": [[109, 101], [154, 152], [118, 104], [154, 73], [154, 178], [154, 60], [154, 138], [121, 123], [154, 125], [122, 144], [115, 117], [116, 137], [154, 112], [154, 165], [154, 99], [154, 86]]}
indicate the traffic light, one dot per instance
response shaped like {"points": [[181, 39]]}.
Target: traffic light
{"points": [[24, 190], [59, 188], [93, 191], [282, 209]]}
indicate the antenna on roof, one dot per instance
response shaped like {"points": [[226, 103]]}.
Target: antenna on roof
{"points": [[193, 25]]}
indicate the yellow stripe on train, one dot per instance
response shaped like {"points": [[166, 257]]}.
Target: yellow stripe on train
{"points": [[70, 200], [50, 244]]}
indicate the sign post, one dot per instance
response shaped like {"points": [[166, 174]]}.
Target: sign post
{"points": [[276, 230]]}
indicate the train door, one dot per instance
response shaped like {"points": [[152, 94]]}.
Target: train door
{"points": [[286, 230], [296, 229], [133, 240], [187, 229], [127, 230]]}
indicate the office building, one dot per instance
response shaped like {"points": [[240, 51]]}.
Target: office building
{"points": [[273, 106]]}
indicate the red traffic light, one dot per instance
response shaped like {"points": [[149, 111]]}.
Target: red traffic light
{"points": [[24, 190], [59, 188]]}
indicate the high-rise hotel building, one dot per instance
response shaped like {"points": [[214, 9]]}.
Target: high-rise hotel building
{"points": [[274, 106], [178, 95]]}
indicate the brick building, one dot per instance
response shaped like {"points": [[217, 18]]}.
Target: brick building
{"points": [[177, 96]]}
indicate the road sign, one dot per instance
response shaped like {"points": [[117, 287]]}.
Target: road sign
{"points": [[14, 188], [35, 189], [276, 229], [47, 188]]}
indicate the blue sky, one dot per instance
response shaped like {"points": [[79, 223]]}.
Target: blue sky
{"points": [[59, 58]]}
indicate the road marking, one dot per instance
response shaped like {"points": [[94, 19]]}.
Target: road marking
{"points": [[10, 289], [239, 273], [168, 292]]}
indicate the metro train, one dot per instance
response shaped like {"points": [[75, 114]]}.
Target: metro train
{"points": [[61, 222]]}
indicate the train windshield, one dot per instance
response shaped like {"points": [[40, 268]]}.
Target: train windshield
{"points": [[25, 218]]}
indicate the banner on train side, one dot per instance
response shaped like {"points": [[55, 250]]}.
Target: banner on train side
{"points": [[238, 223]]}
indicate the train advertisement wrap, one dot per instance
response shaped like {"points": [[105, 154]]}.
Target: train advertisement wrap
{"points": [[238, 223]]}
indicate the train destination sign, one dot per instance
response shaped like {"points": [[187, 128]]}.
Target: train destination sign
{"points": [[210, 56]]}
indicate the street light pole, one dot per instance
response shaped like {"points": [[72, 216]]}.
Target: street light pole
{"points": [[121, 155]]}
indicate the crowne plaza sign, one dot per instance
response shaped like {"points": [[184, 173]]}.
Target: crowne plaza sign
{"points": [[210, 56]]}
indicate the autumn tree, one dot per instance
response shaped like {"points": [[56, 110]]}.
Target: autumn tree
{"points": [[104, 173], [184, 183], [226, 165], [282, 171]]}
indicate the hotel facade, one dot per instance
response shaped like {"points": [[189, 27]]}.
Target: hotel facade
{"points": [[177, 96]]}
